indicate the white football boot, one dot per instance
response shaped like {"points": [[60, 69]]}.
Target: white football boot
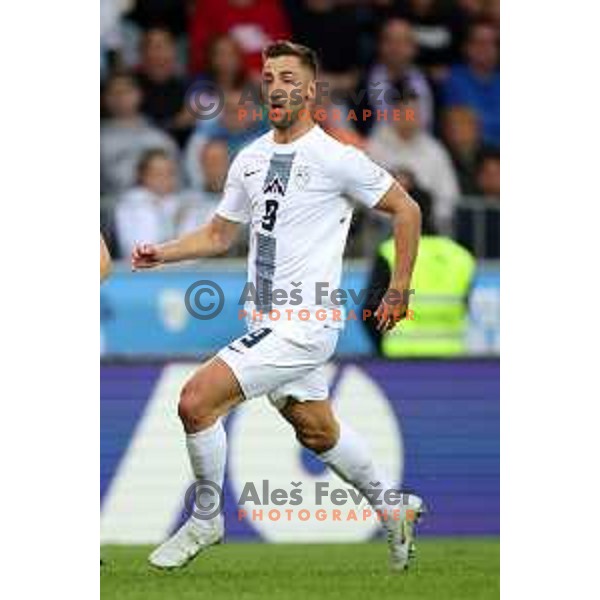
{"points": [[401, 532], [187, 542]]}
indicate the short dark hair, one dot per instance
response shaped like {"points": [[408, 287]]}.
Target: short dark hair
{"points": [[158, 29], [307, 56]]}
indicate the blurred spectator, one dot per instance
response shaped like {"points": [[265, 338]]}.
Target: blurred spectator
{"points": [[125, 134], [460, 131], [237, 125], [403, 143], [152, 211], [252, 23], [329, 28], [432, 26], [111, 38], [162, 85], [213, 159], [476, 82], [213, 162], [477, 224], [225, 72], [464, 14], [396, 54], [162, 14], [421, 196], [371, 15], [467, 12], [332, 111], [488, 175], [492, 12], [225, 64]]}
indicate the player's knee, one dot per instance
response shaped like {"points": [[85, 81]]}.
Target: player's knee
{"points": [[318, 437], [194, 410]]}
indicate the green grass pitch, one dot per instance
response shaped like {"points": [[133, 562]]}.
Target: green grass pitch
{"points": [[445, 569]]}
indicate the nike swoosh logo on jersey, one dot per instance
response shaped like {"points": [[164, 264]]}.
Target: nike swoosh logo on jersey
{"points": [[249, 173]]}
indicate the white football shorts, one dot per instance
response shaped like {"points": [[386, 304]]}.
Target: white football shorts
{"points": [[272, 361]]}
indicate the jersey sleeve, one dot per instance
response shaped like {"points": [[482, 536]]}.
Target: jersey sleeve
{"points": [[363, 180], [235, 204]]}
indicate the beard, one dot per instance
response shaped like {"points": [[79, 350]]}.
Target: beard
{"points": [[289, 116]]}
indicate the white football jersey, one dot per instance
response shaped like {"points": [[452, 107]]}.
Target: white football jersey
{"points": [[298, 200]]}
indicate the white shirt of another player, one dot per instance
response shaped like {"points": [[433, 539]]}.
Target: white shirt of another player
{"points": [[298, 200]]}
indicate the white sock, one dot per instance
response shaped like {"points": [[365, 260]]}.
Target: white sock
{"points": [[351, 459], [207, 450]]}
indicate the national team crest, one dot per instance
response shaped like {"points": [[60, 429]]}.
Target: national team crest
{"points": [[302, 176], [274, 186], [278, 175]]}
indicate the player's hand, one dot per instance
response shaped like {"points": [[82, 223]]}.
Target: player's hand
{"points": [[145, 256], [393, 307]]}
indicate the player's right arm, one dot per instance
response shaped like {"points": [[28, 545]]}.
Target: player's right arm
{"points": [[211, 239]]}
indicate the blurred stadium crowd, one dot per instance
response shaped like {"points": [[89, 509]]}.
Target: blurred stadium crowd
{"points": [[163, 170]]}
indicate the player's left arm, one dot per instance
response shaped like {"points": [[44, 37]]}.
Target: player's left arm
{"points": [[406, 219], [373, 187]]}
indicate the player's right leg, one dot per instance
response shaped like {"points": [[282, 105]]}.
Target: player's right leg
{"points": [[209, 395], [254, 364]]}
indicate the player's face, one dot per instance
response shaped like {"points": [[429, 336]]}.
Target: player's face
{"points": [[288, 89]]}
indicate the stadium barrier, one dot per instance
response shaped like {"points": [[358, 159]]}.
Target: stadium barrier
{"points": [[145, 313], [434, 425], [476, 226]]}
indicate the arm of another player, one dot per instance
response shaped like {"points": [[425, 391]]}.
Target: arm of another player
{"points": [[406, 216], [105, 260]]}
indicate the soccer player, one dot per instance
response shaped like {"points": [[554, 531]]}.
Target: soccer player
{"points": [[296, 187]]}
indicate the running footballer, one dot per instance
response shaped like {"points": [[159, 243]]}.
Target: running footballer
{"points": [[295, 188]]}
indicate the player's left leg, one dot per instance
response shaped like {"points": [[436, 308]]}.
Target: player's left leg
{"points": [[345, 452]]}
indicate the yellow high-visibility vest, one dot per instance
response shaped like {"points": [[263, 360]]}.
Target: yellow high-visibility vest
{"points": [[441, 280]]}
